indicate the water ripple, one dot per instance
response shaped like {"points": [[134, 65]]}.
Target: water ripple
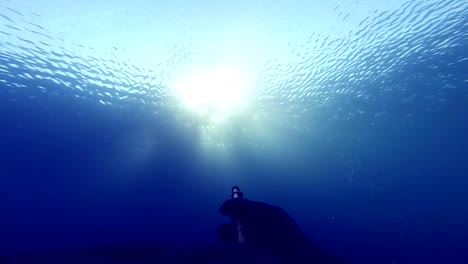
{"points": [[337, 75]]}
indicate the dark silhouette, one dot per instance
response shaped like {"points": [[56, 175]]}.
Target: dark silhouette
{"points": [[270, 229]]}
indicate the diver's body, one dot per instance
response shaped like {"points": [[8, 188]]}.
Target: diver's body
{"points": [[271, 231]]}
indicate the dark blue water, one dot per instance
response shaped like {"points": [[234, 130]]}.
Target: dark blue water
{"points": [[362, 138]]}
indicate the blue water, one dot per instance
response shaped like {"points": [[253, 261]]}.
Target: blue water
{"points": [[356, 126]]}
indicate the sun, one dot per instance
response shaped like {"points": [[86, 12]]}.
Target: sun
{"points": [[215, 92]]}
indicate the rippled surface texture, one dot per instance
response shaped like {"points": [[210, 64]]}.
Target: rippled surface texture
{"points": [[327, 60], [128, 119]]}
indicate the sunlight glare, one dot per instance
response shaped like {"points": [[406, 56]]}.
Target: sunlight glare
{"points": [[214, 92]]}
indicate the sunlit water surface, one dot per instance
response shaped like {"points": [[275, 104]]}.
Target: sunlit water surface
{"points": [[268, 76]]}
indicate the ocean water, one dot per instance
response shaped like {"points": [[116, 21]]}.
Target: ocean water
{"points": [[130, 121]]}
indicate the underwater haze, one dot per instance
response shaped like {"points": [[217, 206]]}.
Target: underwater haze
{"points": [[131, 120]]}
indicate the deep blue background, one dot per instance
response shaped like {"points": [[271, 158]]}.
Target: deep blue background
{"points": [[65, 179], [63, 184]]}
